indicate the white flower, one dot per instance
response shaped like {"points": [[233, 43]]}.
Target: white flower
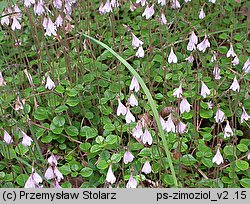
{"points": [[175, 4], [146, 137], [49, 83], [28, 3], [190, 59], [143, 2], [121, 108], [132, 183], [149, 12], [170, 127], [235, 61], [246, 67], [244, 115], [163, 123], [57, 4], [59, 21], [34, 180], [202, 14], [50, 28], [220, 116], [107, 7], [132, 100], [181, 128], [132, 6], [110, 176], [216, 72], [49, 173], [134, 85], [203, 45], [248, 156], [212, 1], [193, 40], [15, 24], [146, 168], [135, 41], [172, 57], [7, 138], [140, 52], [218, 159], [231, 51], [26, 139], [214, 57], [228, 130], [114, 3], [5, 19], [52, 160], [127, 157], [235, 85], [204, 90], [162, 2], [137, 131], [129, 116], [186, 1], [178, 92], [38, 8], [58, 174], [184, 106], [163, 19], [210, 105], [2, 82]]}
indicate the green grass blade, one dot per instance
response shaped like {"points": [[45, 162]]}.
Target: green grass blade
{"points": [[150, 99]]}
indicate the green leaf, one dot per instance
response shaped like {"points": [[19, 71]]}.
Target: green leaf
{"points": [[65, 169], [112, 139], [206, 113], [85, 146], [59, 121], [116, 157], [41, 113], [188, 160], [71, 131], [207, 162], [21, 179], [47, 139], [242, 165], [86, 172], [88, 132], [242, 147], [168, 179], [109, 127], [72, 101], [61, 109], [245, 182], [102, 164]]}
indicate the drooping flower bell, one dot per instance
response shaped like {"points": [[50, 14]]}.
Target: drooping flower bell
{"points": [[244, 115], [218, 159], [190, 58], [129, 116], [228, 130], [132, 100], [2, 82], [204, 44], [140, 52], [193, 40], [163, 19], [214, 57], [216, 72], [146, 168], [202, 13], [135, 41], [50, 27], [219, 116], [137, 131], [134, 85], [26, 139], [178, 92], [170, 126], [246, 67], [34, 180], [5, 19], [7, 138], [181, 128], [184, 106], [204, 90], [28, 3], [146, 137], [231, 51], [149, 12], [175, 4], [132, 183], [172, 58], [235, 85], [121, 108], [143, 2], [49, 83], [127, 157], [59, 21], [162, 2], [39, 8], [110, 175], [57, 4], [235, 61]]}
